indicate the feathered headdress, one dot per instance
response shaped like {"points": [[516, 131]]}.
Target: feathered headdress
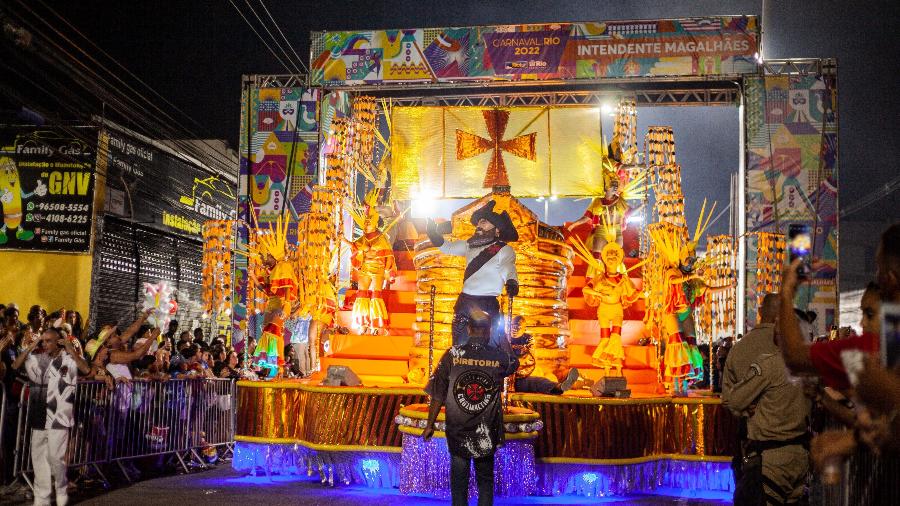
{"points": [[668, 240], [702, 225], [271, 241], [368, 210], [610, 232]]}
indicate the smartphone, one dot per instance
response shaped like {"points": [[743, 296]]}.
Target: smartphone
{"points": [[800, 246], [890, 335]]}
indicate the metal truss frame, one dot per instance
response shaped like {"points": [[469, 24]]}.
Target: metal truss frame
{"points": [[799, 67], [276, 80], [642, 97], [688, 91]]}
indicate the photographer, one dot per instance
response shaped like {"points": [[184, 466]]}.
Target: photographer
{"points": [[52, 376]]}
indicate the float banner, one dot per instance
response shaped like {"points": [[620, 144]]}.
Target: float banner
{"points": [[792, 176], [47, 188], [462, 152], [279, 152], [719, 45], [526, 52], [155, 188]]}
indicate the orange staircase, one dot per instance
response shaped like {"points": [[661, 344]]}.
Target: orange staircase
{"points": [[384, 359], [381, 359]]}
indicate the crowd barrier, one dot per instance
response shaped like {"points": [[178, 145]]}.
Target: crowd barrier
{"points": [[181, 418]]}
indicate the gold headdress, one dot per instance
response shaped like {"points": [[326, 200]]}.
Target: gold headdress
{"points": [[702, 225], [367, 210], [610, 231], [272, 241], [667, 239]]}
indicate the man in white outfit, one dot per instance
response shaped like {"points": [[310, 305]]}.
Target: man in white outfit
{"points": [[490, 265], [52, 374]]}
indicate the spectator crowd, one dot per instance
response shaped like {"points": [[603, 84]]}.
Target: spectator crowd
{"points": [[52, 352], [818, 412]]}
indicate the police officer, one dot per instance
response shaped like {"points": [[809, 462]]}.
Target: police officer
{"points": [[757, 387]]}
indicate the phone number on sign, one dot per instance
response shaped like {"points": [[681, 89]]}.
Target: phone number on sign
{"points": [[58, 206], [58, 218]]}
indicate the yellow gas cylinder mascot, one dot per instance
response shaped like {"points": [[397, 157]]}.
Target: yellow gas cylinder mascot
{"points": [[374, 268], [279, 283], [11, 195], [610, 290], [682, 288]]}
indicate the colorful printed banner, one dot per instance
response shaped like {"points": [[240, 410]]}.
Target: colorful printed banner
{"points": [[792, 176], [153, 187], [279, 154], [279, 151], [47, 188], [462, 152], [679, 47]]}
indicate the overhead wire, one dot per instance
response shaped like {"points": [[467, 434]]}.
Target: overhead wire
{"points": [[260, 37], [127, 71], [287, 42], [170, 134], [108, 93], [273, 38]]}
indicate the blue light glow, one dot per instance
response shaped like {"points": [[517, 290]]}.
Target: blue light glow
{"points": [[370, 465], [379, 474]]}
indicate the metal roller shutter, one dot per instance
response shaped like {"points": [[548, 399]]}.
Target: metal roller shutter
{"points": [[130, 255]]}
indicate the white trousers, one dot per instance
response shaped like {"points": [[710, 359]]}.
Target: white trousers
{"points": [[301, 350], [48, 456]]}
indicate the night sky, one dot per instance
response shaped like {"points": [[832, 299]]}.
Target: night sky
{"points": [[194, 53]]}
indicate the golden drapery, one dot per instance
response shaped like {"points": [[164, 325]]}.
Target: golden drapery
{"points": [[611, 429], [575, 429], [321, 416], [454, 152]]}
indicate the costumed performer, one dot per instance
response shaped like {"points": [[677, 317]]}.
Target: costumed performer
{"points": [[529, 377], [683, 290], [469, 382], [610, 290], [617, 189], [279, 283], [374, 268], [490, 265]]}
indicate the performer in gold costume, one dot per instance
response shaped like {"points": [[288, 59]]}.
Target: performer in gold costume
{"points": [[374, 269], [618, 188], [279, 283], [681, 288], [610, 290]]}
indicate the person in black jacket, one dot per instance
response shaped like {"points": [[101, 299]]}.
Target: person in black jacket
{"points": [[469, 382]]}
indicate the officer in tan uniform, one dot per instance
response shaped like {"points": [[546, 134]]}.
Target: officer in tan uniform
{"points": [[757, 387]]}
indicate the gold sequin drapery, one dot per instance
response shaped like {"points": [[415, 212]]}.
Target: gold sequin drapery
{"points": [[574, 428]]}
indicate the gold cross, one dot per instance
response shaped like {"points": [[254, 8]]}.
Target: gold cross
{"points": [[469, 145]]}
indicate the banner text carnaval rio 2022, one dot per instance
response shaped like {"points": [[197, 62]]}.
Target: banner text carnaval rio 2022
{"points": [[47, 183], [721, 45]]}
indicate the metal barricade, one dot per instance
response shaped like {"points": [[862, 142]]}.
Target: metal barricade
{"points": [[138, 419], [212, 413]]}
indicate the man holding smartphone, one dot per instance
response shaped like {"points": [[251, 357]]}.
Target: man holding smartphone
{"points": [[824, 358], [52, 374]]}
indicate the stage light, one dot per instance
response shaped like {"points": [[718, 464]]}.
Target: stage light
{"points": [[607, 109], [425, 205], [553, 197], [540, 199], [589, 477], [637, 218]]}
